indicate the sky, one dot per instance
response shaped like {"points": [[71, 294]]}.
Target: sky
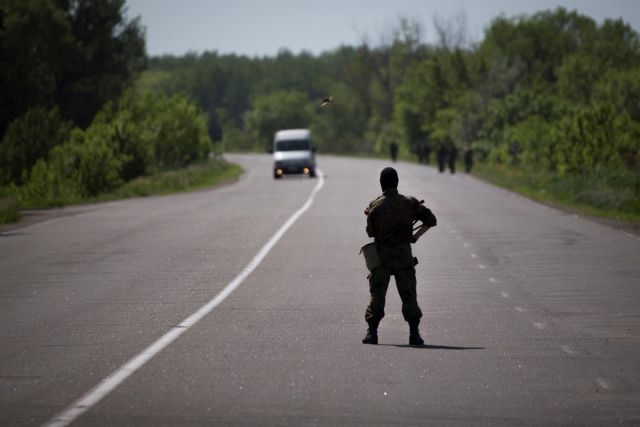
{"points": [[264, 27]]}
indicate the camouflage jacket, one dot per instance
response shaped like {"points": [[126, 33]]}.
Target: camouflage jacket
{"points": [[390, 217]]}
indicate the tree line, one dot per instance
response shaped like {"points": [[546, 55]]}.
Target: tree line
{"points": [[552, 90], [72, 125], [84, 109]]}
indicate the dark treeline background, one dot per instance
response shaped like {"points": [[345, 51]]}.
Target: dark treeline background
{"points": [[71, 125], [84, 109]]}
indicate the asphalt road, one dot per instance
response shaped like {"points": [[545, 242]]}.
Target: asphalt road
{"points": [[531, 315]]}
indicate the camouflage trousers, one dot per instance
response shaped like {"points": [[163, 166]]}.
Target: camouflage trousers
{"points": [[396, 261]]}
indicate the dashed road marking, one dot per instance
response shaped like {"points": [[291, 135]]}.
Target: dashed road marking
{"points": [[466, 245], [504, 295], [474, 256], [567, 349], [521, 309], [482, 266], [539, 325], [492, 280], [604, 383], [631, 235]]}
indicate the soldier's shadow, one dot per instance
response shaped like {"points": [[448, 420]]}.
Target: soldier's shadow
{"points": [[433, 347]]}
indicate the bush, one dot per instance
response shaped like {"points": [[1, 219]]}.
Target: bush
{"points": [[129, 127], [29, 139], [597, 136], [9, 209], [182, 133], [135, 137], [83, 167], [48, 185], [151, 132]]}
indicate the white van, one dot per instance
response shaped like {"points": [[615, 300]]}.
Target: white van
{"points": [[293, 152]]}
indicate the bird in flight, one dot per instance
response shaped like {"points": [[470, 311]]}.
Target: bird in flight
{"points": [[326, 100]]}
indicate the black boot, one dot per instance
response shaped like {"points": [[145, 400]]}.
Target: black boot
{"points": [[372, 333], [414, 333]]}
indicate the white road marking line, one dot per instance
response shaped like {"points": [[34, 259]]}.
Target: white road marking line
{"points": [[466, 245], [567, 349], [482, 266], [93, 396], [539, 325], [521, 309], [474, 256], [492, 280], [604, 383], [631, 235], [504, 295]]}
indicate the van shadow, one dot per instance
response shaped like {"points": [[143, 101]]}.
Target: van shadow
{"points": [[12, 233], [432, 347], [296, 177]]}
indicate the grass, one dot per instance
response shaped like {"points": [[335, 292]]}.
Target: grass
{"points": [[193, 177], [603, 193]]}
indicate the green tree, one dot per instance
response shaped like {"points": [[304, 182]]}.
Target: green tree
{"points": [[35, 41], [108, 54], [83, 167], [182, 133], [339, 127], [151, 132], [597, 136], [275, 111], [621, 89], [29, 139], [76, 54]]}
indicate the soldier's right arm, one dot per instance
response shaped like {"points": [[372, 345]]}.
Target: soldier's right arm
{"points": [[425, 215]]}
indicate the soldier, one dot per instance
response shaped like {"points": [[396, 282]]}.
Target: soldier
{"points": [[394, 151], [442, 157], [427, 153], [453, 156], [468, 158], [420, 152], [390, 220]]}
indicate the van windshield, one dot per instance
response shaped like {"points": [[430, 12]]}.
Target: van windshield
{"points": [[293, 145]]}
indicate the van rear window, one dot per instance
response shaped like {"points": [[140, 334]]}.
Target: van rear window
{"points": [[292, 145]]}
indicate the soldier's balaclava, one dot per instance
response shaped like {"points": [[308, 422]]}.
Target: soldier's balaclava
{"points": [[388, 179]]}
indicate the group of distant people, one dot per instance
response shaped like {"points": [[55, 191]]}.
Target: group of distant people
{"points": [[446, 156]]}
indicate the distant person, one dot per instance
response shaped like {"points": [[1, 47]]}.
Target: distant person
{"points": [[468, 158], [427, 153], [394, 151], [420, 152], [452, 156], [424, 151], [442, 157], [390, 220]]}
